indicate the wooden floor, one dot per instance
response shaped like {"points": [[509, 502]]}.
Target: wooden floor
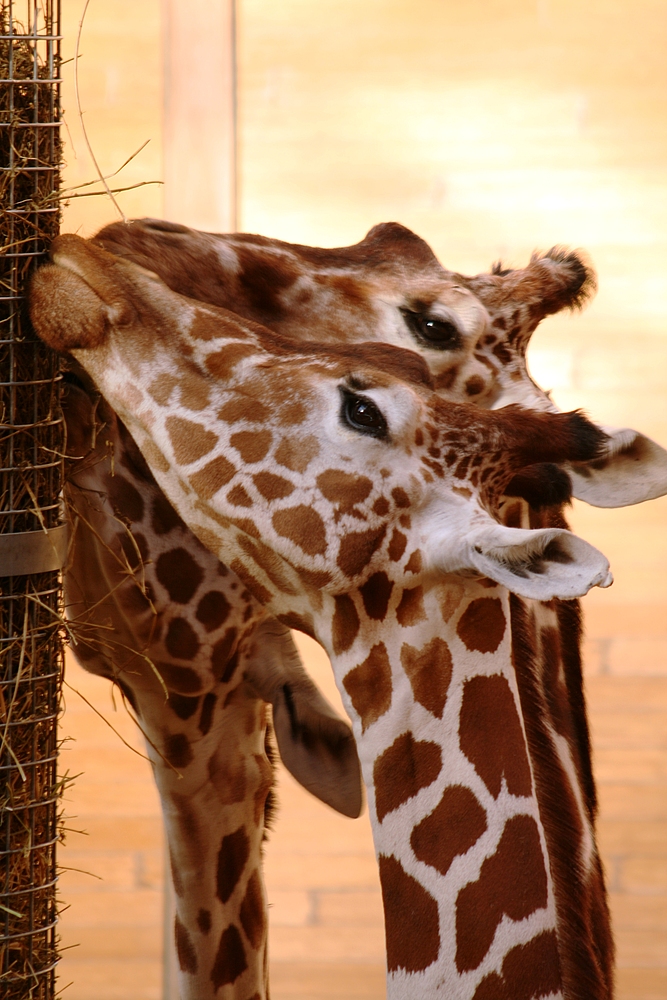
{"points": [[320, 869]]}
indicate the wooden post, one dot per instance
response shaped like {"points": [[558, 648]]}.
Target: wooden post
{"points": [[200, 113]]}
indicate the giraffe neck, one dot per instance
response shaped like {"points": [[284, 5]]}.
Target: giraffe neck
{"points": [[546, 652], [452, 799]]}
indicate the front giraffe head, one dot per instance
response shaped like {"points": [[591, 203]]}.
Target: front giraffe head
{"points": [[473, 332], [364, 602], [328, 456]]}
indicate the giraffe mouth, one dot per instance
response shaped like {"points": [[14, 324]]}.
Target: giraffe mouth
{"points": [[79, 297]]}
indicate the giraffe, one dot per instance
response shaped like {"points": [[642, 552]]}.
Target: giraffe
{"points": [[438, 723], [195, 686], [473, 332], [153, 240]]}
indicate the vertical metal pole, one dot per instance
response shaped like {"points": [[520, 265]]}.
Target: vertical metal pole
{"points": [[32, 540], [200, 182]]}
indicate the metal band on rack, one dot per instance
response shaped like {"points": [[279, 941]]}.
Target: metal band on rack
{"points": [[23, 553]]}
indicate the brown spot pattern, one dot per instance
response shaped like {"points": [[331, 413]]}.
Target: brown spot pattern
{"points": [[369, 686], [189, 440], [181, 640], [195, 394], [402, 770], [252, 915], [161, 387], [491, 737], [272, 487], [529, 970], [397, 545], [429, 671], [204, 920], [357, 549], [296, 454], [213, 610], [187, 956], [182, 706], [345, 624], [183, 680], [411, 919], [451, 596], [232, 858], [400, 497], [238, 496], [216, 474], [179, 574], [454, 826], [244, 408], [207, 709], [375, 594], [343, 489], [230, 960], [252, 446], [221, 364], [125, 498], [163, 516], [177, 750], [513, 881], [474, 385], [482, 625], [410, 610], [414, 563], [303, 526]]}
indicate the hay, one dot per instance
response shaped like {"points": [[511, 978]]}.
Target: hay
{"points": [[31, 442]]}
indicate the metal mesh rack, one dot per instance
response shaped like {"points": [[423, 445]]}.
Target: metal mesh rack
{"points": [[31, 536]]}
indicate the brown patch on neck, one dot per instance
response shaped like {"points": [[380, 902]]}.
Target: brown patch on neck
{"points": [[410, 610], [529, 970], [345, 624], [407, 766], [375, 594], [369, 686], [454, 826], [482, 625], [513, 881], [429, 671], [411, 919], [491, 737]]}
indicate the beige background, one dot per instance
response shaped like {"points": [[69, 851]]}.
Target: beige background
{"points": [[491, 129]]}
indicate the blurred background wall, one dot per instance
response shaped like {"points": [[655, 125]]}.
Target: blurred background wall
{"points": [[491, 129]]}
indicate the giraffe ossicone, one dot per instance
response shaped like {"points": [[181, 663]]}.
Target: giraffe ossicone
{"points": [[420, 657]]}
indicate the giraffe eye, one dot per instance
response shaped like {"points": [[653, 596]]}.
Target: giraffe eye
{"points": [[361, 414], [440, 334]]}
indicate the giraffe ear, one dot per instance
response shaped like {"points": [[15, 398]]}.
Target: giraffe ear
{"points": [[540, 564], [633, 469], [316, 746]]}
